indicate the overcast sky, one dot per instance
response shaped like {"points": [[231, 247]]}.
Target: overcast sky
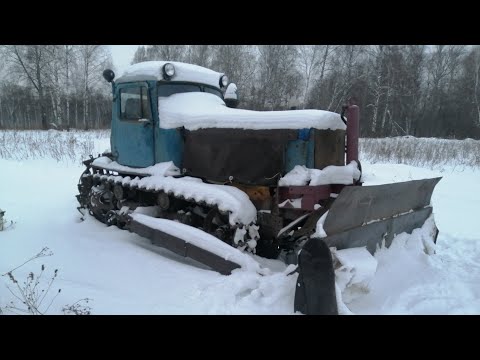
{"points": [[122, 55]]}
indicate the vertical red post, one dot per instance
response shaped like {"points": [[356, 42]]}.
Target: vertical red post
{"points": [[353, 132]]}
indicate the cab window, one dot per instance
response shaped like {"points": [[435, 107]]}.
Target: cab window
{"points": [[134, 103], [213, 91], [165, 90]]}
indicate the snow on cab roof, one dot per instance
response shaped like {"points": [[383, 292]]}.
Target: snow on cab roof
{"points": [[153, 70], [199, 110]]}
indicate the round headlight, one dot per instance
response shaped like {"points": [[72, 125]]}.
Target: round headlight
{"points": [[168, 70], [224, 81]]}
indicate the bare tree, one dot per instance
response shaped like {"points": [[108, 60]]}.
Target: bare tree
{"points": [[409, 84], [30, 61], [166, 52], [140, 55], [476, 82], [442, 67], [53, 76], [348, 70], [69, 59], [93, 59], [278, 76], [199, 55], [377, 90], [312, 63]]}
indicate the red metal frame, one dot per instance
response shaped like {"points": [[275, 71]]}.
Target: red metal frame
{"points": [[311, 195]]}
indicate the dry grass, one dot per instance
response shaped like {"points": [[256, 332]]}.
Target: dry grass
{"points": [[422, 152], [72, 146], [33, 296], [76, 146]]}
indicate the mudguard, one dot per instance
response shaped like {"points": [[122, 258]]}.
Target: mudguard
{"points": [[360, 216], [315, 290]]}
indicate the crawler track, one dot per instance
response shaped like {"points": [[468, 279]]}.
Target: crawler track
{"points": [[109, 196]]}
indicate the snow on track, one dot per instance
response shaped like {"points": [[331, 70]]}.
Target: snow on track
{"points": [[226, 198], [161, 169]]}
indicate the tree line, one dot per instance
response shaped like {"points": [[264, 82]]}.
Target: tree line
{"points": [[54, 86], [419, 90]]}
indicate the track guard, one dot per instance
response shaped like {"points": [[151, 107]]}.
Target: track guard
{"points": [[315, 289], [183, 248]]}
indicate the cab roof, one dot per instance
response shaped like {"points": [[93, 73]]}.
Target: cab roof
{"points": [[153, 70]]}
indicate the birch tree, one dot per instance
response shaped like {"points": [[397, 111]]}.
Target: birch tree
{"points": [[312, 64], [278, 77], [166, 52], [30, 61], [93, 59]]}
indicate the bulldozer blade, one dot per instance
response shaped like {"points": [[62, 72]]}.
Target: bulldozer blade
{"points": [[315, 290], [357, 206], [376, 233]]}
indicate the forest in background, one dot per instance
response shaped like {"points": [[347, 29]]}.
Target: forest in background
{"points": [[419, 90]]}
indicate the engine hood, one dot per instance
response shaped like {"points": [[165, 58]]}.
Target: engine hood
{"points": [[198, 110]]}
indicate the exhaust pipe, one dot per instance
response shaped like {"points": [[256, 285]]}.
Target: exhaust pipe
{"points": [[353, 133]]}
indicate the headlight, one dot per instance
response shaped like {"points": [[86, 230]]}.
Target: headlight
{"points": [[224, 81], [168, 70]]}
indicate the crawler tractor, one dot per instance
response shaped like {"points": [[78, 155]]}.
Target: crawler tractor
{"points": [[196, 175]]}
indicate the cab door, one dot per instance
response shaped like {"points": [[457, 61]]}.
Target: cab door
{"points": [[132, 129]]}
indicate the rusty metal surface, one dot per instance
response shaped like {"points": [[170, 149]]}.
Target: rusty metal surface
{"points": [[353, 132], [310, 195], [248, 156], [260, 196], [358, 205], [329, 148]]}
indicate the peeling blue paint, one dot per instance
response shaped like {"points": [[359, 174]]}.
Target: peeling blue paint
{"points": [[300, 151]]}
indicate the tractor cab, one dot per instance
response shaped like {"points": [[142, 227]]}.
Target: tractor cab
{"points": [[184, 113], [137, 138]]}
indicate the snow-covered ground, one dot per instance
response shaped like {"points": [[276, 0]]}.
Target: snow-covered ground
{"points": [[123, 274]]}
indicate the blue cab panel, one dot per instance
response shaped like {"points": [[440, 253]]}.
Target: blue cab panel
{"points": [[169, 146], [168, 142], [132, 137]]}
